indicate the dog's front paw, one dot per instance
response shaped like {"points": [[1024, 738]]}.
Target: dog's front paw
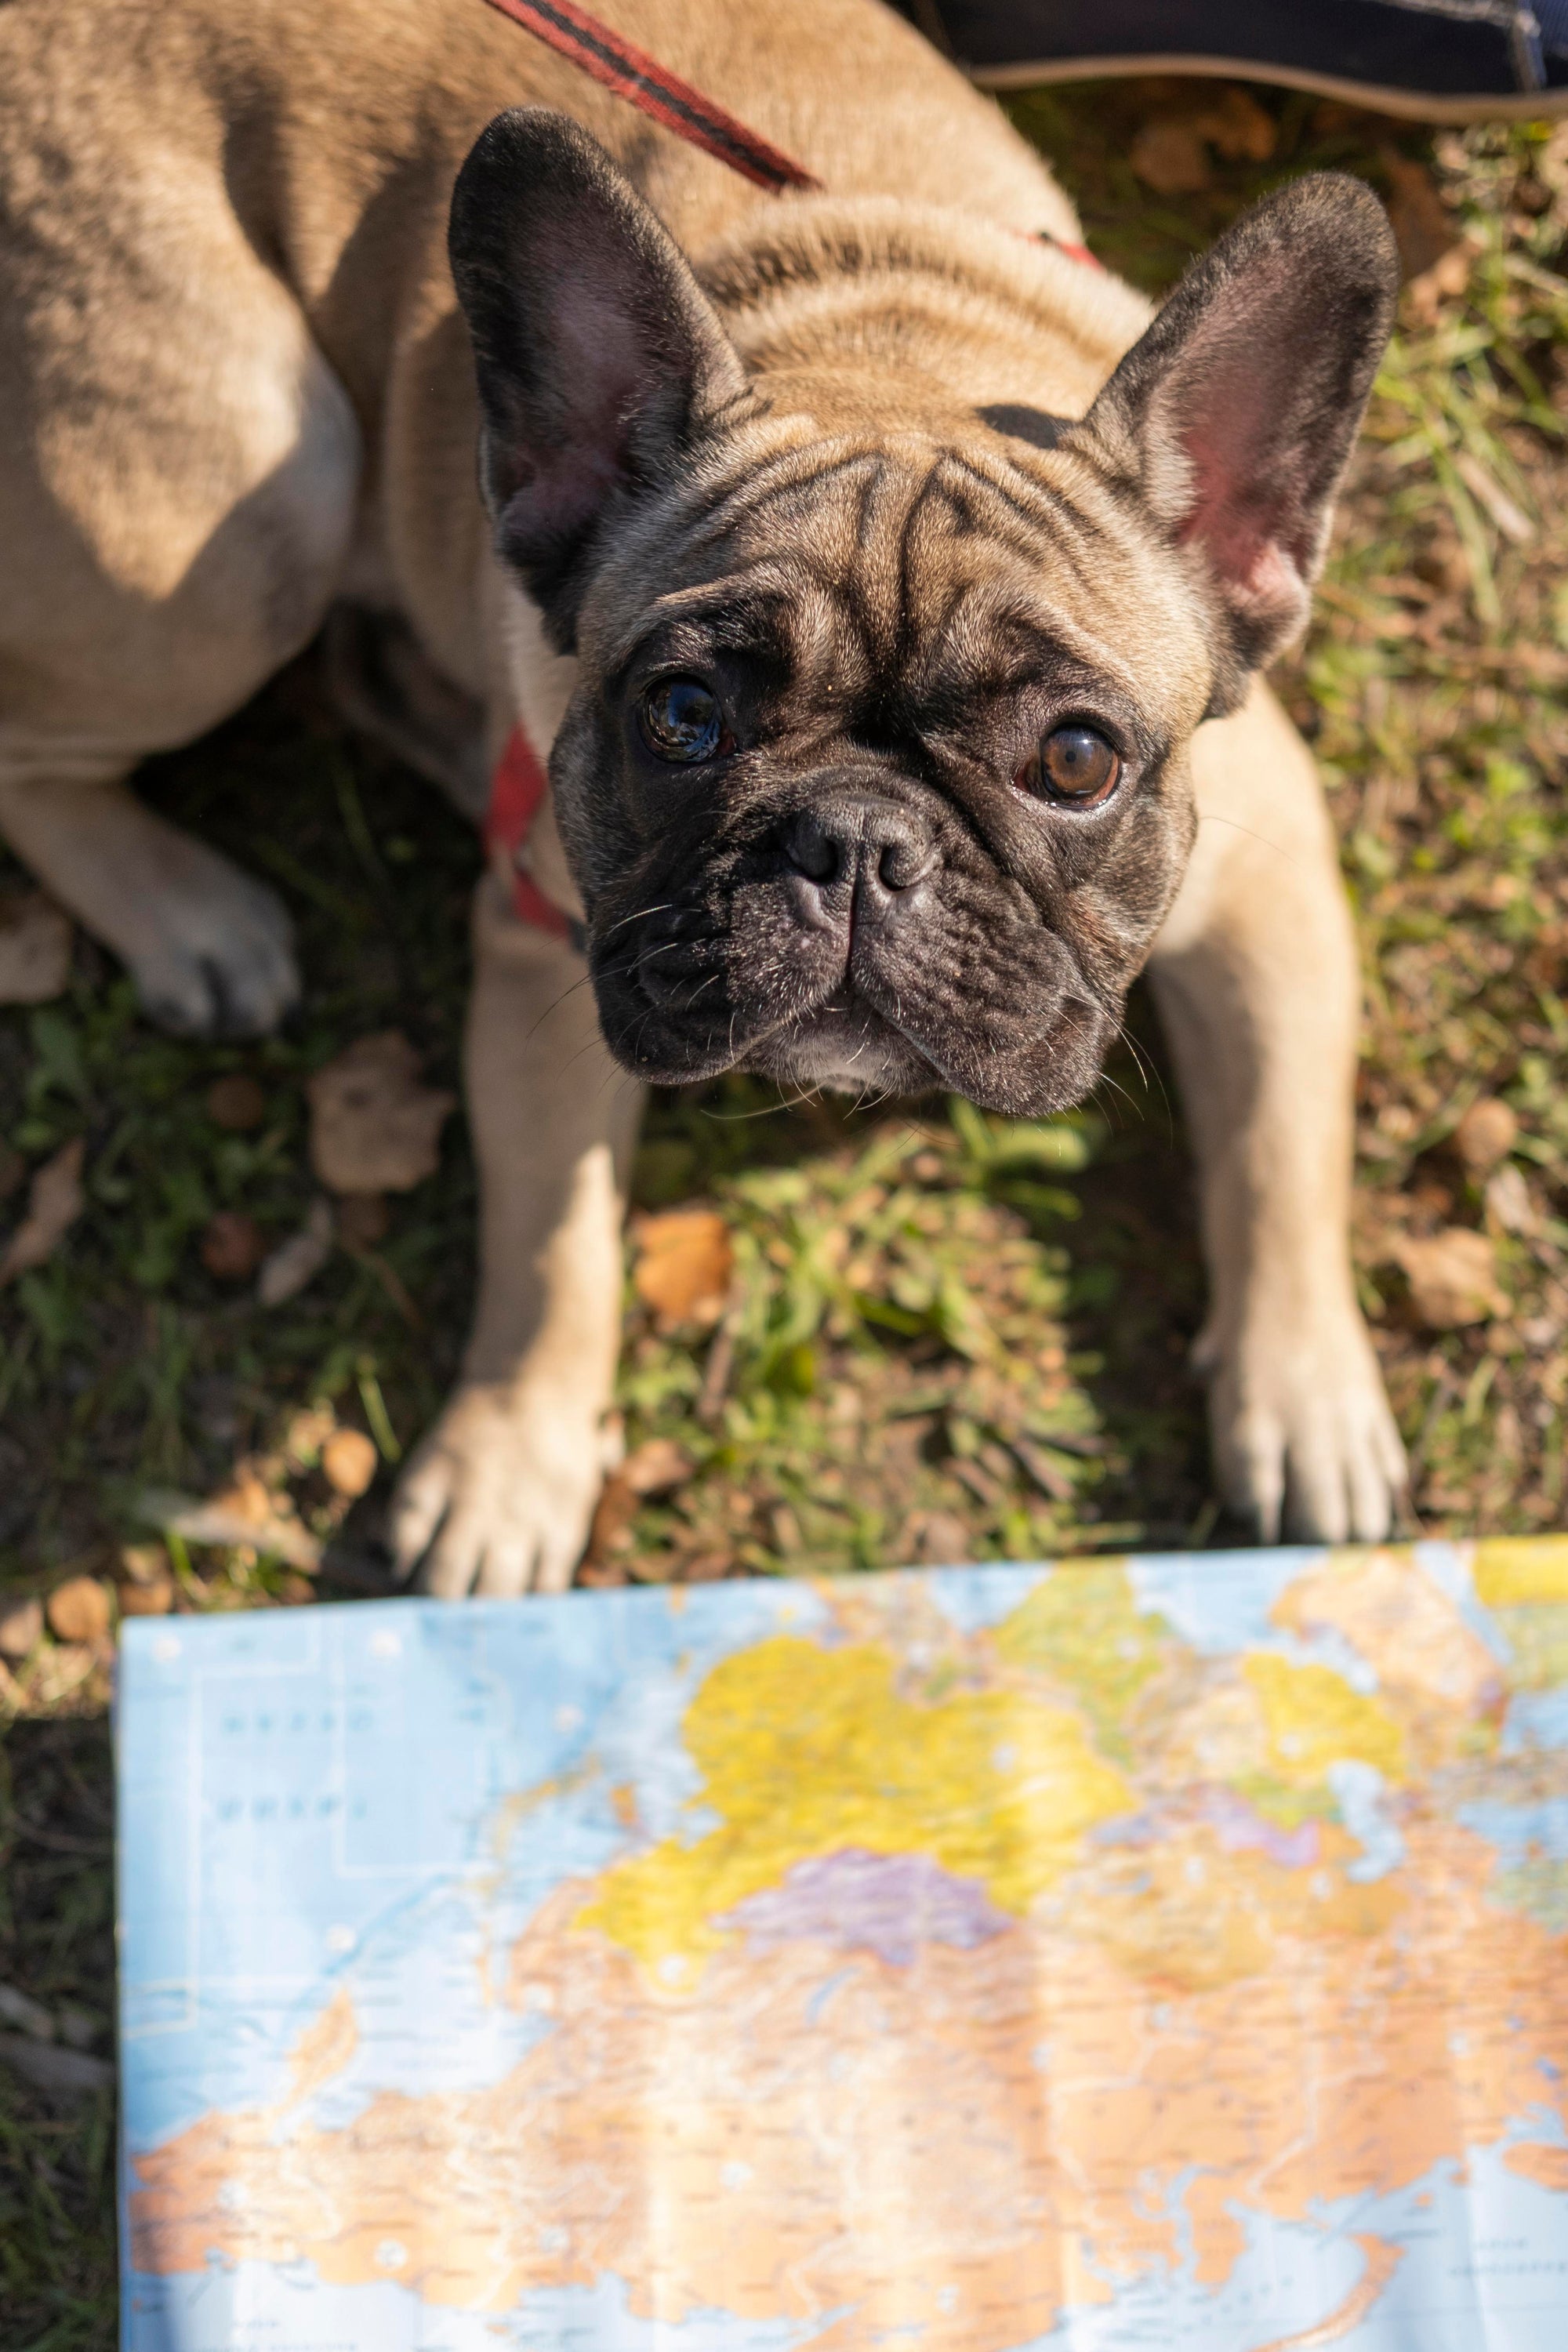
{"points": [[216, 958], [1304, 1442], [499, 1499]]}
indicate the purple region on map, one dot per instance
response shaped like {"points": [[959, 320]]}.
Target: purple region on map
{"points": [[890, 1904], [1240, 1827]]}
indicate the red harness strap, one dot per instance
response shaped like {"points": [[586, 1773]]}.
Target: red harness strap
{"points": [[518, 790], [1074, 252], [520, 784]]}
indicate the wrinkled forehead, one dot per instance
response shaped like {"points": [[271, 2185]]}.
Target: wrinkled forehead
{"points": [[939, 568]]}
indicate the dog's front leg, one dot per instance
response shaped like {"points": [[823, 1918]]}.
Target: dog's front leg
{"points": [[1256, 977], [500, 1496]]}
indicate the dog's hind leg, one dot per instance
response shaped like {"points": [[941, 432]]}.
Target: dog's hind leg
{"points": [[1256, 978], [176, 513]]}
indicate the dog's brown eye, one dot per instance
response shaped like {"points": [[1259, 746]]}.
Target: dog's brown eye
{"points": [[681, 719], [1071, 763]]}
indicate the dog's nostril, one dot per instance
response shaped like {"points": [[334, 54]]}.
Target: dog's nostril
{"points": [[813, 850], [902, 864]]}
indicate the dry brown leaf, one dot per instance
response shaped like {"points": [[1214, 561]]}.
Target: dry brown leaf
{"points": [[1486, 1134], [1238, 128], [349, 1462], [35, 948], [143, 1563], [1452, 1278], [1170, 152], [1424, 228], [233, 1247], [683, 1266], [374, 1127], [154, 1598], [657, 1466], [1169, 156], [78, 1609], [54, 1204], [21, 1626]]}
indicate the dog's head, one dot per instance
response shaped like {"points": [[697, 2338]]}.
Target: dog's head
{"points": [[876, 773]]}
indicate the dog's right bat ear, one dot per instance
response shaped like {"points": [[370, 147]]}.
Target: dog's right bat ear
{"points": [[1233, 418], [600, 360]]}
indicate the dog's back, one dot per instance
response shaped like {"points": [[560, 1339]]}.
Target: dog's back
{"points": [[199, 207]]}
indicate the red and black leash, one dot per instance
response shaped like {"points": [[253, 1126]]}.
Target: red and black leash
{"points": [[588, 42], [520, 784], [661, 95]]}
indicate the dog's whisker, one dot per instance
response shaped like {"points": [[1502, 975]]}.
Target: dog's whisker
{"points": [[663, 907]]}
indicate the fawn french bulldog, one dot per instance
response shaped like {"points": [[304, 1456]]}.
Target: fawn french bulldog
{"points": [[888, 588]]}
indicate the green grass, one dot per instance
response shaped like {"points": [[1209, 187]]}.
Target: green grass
{"points": [[945, 1336]]}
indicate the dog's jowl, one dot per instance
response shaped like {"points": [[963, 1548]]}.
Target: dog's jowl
{"points": [[890, 585]]}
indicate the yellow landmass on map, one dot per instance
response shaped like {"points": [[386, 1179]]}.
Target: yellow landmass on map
{"points": [[1509, 1569], [806, 1750], [947, 2154], [1082, 1626], [1315, 1718], [1537, 1634]]}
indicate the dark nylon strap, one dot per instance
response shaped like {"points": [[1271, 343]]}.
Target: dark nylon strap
{"points": [[633, 75]]}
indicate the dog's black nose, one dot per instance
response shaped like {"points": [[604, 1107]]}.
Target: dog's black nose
{"points": [[878, 846]]}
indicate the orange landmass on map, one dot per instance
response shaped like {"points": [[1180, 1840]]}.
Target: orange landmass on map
{"points": [[960, 2148], [1408, 1630], [1539, 2161], [324, 2048], [1184, 1911]]}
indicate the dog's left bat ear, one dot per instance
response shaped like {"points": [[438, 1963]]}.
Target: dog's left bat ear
{"points": [[600, 360], [1234, 415]]}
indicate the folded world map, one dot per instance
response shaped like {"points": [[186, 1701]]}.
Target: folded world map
{"points": [[1164, 1952]]}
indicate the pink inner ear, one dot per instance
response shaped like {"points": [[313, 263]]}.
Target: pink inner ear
{"points": [[607, 367], [1231, 413], [1241, 523]]}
